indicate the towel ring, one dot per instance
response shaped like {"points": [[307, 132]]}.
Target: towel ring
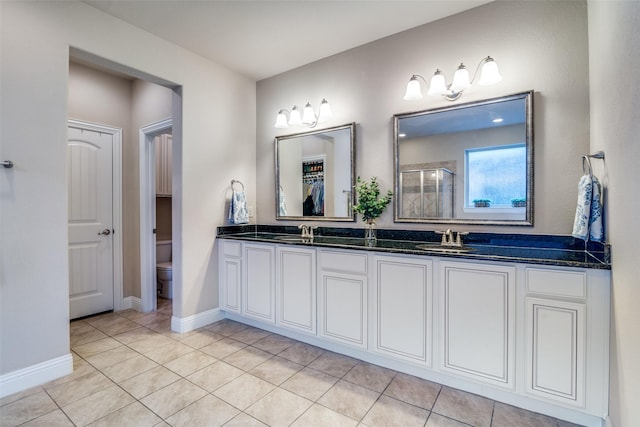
{"points": [[586, 162], [235, 181]]}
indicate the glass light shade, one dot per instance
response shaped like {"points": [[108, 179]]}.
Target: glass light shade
{"points": [[489, 74], [281, 120], [460, 79], [294, 117], [413, 92], [308, 116], [438, 85], [325, 111]]}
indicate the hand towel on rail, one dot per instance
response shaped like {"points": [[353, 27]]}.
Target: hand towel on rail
{"points": [[588, 220], [238, 213]]}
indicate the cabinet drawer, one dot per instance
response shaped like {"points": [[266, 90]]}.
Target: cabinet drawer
{"points": [[572, 284], [343, 261], [233, 249]]}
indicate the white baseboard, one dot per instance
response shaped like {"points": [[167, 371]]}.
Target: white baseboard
{"points": [[31, 376], [131, 302], [189, 323]]}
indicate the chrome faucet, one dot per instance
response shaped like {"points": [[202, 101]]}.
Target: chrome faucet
{"points": [[307, 231], [448, 239]]}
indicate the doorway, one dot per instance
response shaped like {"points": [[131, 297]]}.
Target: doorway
{"points": [[127, 93], [148, 222]]}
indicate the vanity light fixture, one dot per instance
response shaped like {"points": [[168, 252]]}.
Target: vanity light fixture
{"points": [[307, 118], [438, 86]]}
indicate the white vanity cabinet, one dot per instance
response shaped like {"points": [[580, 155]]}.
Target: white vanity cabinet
{"points": [[402, 300], [531, 335], [477, 321], [230, 275], [564, 363], [258, 282], [296, 288], [342, 297]]}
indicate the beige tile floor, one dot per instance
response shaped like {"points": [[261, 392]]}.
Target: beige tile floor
{"points": [[131, 370]]}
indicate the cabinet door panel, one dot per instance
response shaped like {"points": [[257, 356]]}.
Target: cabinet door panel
{"points": [[555, 335], [403, 299], [259, 282], [478, 321], [231, 283], [343, 308], [296, 291]]}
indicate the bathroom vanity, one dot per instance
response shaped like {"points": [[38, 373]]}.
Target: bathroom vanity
{"points": [[519, 319]]}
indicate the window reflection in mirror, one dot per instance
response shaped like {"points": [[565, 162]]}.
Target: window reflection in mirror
{"points": [[315, 174], [468, 163]]}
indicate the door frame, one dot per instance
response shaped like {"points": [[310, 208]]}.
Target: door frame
{"points": [[148, 210], [116, 203]]}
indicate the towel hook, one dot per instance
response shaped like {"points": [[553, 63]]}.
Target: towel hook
{"points": [[8, 164], [235, 181]]}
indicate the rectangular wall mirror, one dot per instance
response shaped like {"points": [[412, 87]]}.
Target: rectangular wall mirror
{"points": [[466, 164], [315, 175]]}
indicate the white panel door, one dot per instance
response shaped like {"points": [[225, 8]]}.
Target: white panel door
{"points": [[403, 301], [90, 189], [556, 350], [230, 275], [258, 282], [478, 321], [343, 308], [296, 288]]}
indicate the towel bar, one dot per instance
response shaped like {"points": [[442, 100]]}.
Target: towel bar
{"points": [[8, 164]]}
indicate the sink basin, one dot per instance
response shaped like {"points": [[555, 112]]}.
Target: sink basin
{"points": [[431, 247], [293, 239]]}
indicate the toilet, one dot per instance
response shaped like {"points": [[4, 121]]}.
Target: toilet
{"points": [[164, 269]]}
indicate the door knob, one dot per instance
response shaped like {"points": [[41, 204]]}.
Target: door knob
{"points": [[105, 232]]}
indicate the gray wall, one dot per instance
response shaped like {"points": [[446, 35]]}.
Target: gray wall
{"points": [[614, 59], [537, 45], [218, 106]]}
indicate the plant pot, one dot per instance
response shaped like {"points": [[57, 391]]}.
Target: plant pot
{"points": [[482, 204], [518, 204]]}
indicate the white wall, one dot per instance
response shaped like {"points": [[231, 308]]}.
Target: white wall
{"points": [[614, 61], [217, 133], [537, 45]]}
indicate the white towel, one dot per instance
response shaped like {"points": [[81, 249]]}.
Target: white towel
{"points": [[238, 213], [588, 220]]}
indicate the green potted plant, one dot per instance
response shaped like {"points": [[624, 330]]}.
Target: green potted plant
{"points": [[370, 204], [482, 203], [518, 203]]}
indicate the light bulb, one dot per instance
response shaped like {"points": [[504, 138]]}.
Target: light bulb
{"points": [[460, 79], [294, 116], [489, 74], [413, 92], [325, 111], [438, 84], [281, 120], [308, 116]]}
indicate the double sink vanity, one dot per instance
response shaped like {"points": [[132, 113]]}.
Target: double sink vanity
{"points": [[522, 319], [519, 318]]}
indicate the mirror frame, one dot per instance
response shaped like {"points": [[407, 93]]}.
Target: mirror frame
{"points": [[528, 221], [352, 172]]}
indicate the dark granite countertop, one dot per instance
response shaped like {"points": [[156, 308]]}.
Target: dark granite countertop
{"points": [[564, 251]]}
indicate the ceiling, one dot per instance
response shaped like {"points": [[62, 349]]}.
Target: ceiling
{"points": [[262, 38]]}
